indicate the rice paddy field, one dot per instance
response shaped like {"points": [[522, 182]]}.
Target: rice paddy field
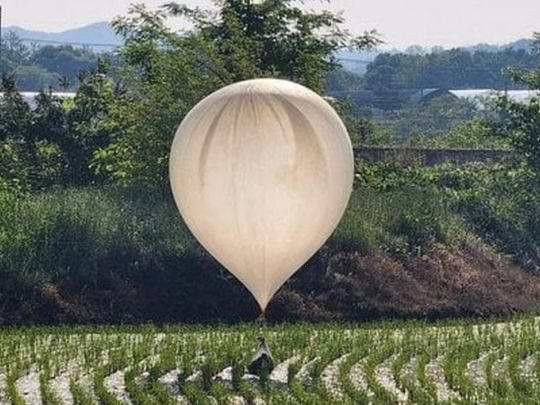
{"points": [[388, 362]]}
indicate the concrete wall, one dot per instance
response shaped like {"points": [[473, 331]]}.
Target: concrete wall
{"points": [[431, 157]]}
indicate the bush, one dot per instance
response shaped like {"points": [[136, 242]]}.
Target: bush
{"points": [[84, 232], [497, 202], [115, 253], [401, 221]]}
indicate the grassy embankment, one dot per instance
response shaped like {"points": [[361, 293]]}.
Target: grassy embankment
{"points": [[414, 242]]}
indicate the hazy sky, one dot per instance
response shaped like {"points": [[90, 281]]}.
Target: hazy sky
{"points": [[402, 22]]}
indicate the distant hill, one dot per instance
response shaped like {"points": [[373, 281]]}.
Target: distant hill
{"points": [[98, 36], [357, 61], [524, 43], [101, 36]]}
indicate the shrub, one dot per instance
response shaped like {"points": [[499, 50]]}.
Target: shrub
{"points": [[96, 254], [403, 221]]}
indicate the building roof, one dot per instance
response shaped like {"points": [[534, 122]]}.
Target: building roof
{"points": [[425, 95], [391, 99]]}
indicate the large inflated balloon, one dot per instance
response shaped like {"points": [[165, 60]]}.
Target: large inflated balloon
{"points": [[262, 171]]}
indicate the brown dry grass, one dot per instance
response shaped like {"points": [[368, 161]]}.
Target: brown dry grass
{"points": [[443, 283]]}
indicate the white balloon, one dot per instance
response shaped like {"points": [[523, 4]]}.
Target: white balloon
{"points": [[262, 171]]}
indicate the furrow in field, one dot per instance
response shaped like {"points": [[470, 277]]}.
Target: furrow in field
{"points": [[301, 383], [238, 400], [408, 374], [409, 370], [476, 371], [435, 373], [87, 385], [303, 374], [499, 368], [383, 374], [28, 387], [526, 367], [3, 395], [170, 380], [280, 373], [60, 387], [358, 378], [225, 377], [330, 377], [114, 383]]}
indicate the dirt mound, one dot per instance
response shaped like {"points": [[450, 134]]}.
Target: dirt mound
{"points": [[443, 283], [333, 285]]}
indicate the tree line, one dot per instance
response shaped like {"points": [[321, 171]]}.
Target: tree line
{"points": [[160, 74], [448, 69], [46, 67]]}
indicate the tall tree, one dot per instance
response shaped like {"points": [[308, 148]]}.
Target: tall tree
{"points": [[169, 72], [32, 141], [521, 121], [64, 60]]}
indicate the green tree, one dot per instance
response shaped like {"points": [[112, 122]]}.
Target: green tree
{"points": [[32, 78], [91, 122], [32, 141], [343, 80], [14, 49], [168, 72], [450, 69], [420, 122], [64, 61], [521, 121], [15, 113]]}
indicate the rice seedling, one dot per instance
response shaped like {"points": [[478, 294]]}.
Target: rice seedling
{"points": [[490, 361]]}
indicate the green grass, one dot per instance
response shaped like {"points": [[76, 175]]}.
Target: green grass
{"points": [[65, 249], [79, 231], [107, 255], [85, 233], [407, 221]]}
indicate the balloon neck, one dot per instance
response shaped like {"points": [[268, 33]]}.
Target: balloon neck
{"points": [[261, 320]]}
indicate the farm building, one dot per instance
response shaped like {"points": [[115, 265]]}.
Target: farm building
{"points": [[391, 100]]}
